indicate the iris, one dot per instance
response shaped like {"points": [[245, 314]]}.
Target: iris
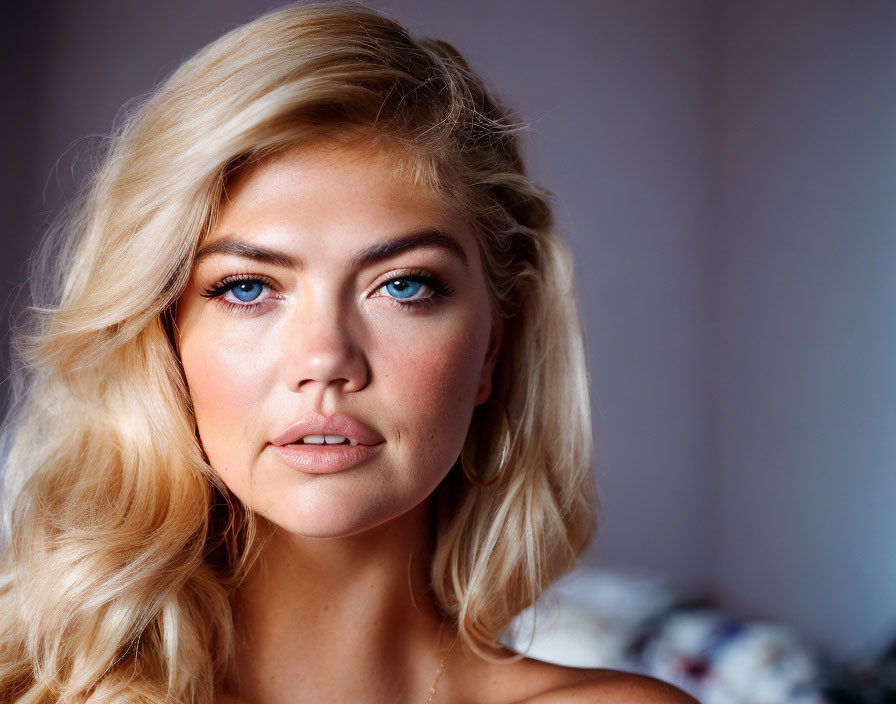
{"points": [[403, 288], [247, 291]]}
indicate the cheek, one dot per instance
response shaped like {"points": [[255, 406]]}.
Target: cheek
{"points": [[434, 386], [227, 378]]}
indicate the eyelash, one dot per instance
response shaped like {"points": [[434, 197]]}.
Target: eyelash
{"points": [[217, 290], [438, 287]]}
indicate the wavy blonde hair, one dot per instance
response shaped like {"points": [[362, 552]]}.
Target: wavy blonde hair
{"points": [[122, 547]]}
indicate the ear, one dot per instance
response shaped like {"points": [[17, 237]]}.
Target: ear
{"points": [[491, 357]]}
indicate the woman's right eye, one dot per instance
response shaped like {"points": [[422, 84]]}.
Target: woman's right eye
{"points": [[247, 291], [242, 293]]}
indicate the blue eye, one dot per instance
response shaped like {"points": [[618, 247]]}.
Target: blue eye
{"points": [[242, 294], [403, 288], [247, 291]]}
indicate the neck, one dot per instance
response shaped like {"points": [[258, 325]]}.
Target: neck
{"points": [[347, 619]]}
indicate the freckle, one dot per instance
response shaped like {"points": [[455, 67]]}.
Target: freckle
{"points": [[326, 607]]}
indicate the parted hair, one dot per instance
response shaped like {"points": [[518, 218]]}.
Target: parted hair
{"points": [[121, 547]]}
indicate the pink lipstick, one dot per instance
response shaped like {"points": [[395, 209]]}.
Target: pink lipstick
{"points": [[319, 444]]}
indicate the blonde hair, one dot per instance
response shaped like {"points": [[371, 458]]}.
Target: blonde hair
{"points": [[122, 547]]}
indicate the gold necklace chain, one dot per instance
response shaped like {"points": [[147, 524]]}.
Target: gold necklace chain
{"points": [[435, 682]]}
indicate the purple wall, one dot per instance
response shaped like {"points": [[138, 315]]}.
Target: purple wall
{"points": [[804, 356]]}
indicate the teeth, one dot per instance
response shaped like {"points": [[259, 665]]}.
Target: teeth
{"points": [[326, 439]]}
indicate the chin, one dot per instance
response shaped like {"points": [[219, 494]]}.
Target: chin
{"points": [[331, 517]]}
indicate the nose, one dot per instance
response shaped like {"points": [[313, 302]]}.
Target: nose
{"points": [[321, 351]]}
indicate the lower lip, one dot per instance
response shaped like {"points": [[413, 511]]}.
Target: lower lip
{"points": [[325, 459]]}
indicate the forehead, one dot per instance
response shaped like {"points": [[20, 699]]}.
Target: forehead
{"points": [[327, 189]]}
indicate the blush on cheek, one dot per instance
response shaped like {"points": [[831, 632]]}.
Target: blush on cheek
{"points": [[433, 380], [226, 385]]}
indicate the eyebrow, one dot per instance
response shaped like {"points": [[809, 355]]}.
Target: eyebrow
{"points": [[428, 237], [230, 244]]}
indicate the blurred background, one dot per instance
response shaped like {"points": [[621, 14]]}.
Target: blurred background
{"points": [[726, 175]]}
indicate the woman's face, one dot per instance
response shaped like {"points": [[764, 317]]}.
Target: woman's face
{"points": [[333, 298]]}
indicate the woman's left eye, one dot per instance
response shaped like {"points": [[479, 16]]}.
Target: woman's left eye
{"points": [[414, 289], [403, 288]]}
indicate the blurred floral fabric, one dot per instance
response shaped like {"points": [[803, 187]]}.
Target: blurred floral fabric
{"points": [[638, 623]]}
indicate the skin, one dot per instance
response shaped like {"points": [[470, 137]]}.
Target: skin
{"points": [[328, 339], [338, 607]]}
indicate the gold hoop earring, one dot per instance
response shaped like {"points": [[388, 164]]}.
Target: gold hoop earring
{"points": [[472, 447]]}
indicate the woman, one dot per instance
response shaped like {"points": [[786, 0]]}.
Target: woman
{"points": [[307, 418]]}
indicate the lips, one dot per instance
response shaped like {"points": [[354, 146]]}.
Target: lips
{"points": [[366, 443], [335, 424]]}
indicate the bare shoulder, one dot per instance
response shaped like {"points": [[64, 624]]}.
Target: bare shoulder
{"points": [[528, 681], [610, 686], [554, 684]]}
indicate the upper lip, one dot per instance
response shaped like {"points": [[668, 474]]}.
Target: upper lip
{"points": [[334, 424]]}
